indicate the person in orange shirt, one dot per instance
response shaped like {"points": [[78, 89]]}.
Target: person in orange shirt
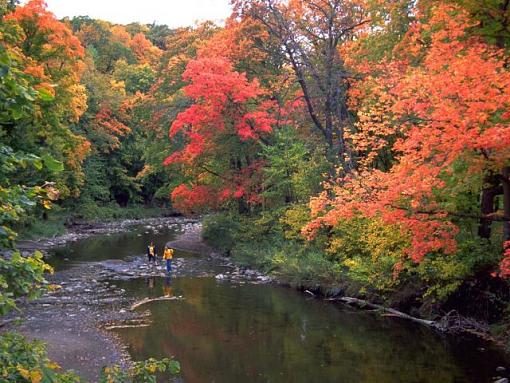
{"points": [[168, 254]]}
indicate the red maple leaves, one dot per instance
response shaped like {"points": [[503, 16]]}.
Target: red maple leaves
{"points": [[447, 111]]}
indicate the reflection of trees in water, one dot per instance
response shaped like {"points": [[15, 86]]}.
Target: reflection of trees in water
{"points": [[229, 333]]}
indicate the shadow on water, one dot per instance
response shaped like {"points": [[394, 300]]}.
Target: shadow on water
{"points": [[222, 332]]}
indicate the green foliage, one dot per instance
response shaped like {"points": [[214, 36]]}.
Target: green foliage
{"points": [[293, 172], [53, 225], [21, 277], [24, 361], [219, 232], [137, 78], [293, 220], [18, 199], [16, 94], [370, 251], [442, 275], [112, 211], [492, 16], [140, 372]]}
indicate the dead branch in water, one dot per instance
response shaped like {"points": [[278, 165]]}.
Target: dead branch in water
{"points": [[388, 311], [148, 300]]}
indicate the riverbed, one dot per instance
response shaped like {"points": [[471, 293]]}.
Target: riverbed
{"points": [[244, 329]]}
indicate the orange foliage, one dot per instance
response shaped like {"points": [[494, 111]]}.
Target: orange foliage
{"points": [[143, 49], [120, 35], [504, 266], [109, 124], [448, 109], [59, 37], [191, 199]]}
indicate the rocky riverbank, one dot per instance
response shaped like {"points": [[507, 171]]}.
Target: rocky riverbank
{"points": [[74, 320], [84, 230]]}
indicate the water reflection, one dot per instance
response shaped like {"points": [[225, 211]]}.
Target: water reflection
{"points": [[259, 333], [167, 287], [111, 246], [150, 282]]}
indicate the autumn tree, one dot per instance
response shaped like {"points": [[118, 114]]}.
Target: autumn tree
{"points": [[53, 58], [221, 130], [440, 105], [310, 34]]}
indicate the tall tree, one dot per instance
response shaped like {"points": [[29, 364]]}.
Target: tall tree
{"points": [[310, 33], [221, 130], [442, 108]]}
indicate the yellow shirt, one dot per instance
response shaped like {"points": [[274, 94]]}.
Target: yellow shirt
{"points": [[168, 254]]}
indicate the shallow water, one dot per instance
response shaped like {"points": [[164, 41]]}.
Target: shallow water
{"points": [[225, 332], [111, 246]]}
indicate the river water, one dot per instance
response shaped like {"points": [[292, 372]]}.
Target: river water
{"points": [[230, 332]]}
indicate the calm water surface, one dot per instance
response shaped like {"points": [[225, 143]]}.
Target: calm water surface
{"points": [[223, 332]]}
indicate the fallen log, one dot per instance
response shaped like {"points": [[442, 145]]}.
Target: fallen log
{"points": [[140, 325], [149, 300], [388, 311]]}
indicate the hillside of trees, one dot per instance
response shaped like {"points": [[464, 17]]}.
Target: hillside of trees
{"points": [[352, 145]]}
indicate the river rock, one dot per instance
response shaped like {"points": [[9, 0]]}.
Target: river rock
{"points": [[502, 380], [500, 369]]}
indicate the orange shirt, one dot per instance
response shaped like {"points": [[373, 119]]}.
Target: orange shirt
{"points": [[168, 254]]}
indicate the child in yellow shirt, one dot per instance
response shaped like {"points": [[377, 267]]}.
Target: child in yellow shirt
{"points": [[168, 254]]}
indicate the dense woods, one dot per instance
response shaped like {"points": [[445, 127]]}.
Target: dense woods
{"points": [[360, 146]]}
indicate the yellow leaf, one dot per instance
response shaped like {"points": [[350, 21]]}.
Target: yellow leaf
{"points": [[35, 376], [53, 365], [24, 372], [53, 287]]}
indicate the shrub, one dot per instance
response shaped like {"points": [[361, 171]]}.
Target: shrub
{"points": [[24, 361], [219, 231]]}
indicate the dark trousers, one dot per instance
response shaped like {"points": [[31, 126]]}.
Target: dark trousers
{"points": [[168, 265], [151, 258]]}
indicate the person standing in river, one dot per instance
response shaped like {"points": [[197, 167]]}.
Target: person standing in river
{"points": [[151, 252], [168, 254]]}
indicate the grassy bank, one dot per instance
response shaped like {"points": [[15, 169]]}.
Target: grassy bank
{"points": [[346, 263]]}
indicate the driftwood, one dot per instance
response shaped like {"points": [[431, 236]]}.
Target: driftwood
{"points": [[388, 311], [139, 325], [148, 300]]}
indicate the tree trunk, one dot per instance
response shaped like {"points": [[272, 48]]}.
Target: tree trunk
{"points": [[506, 202], [491, 189]]}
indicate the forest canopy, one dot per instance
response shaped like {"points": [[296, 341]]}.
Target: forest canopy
{"points": [[372, 136]]}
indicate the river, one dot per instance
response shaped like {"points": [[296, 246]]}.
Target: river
{"points": [[243, 332]]}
